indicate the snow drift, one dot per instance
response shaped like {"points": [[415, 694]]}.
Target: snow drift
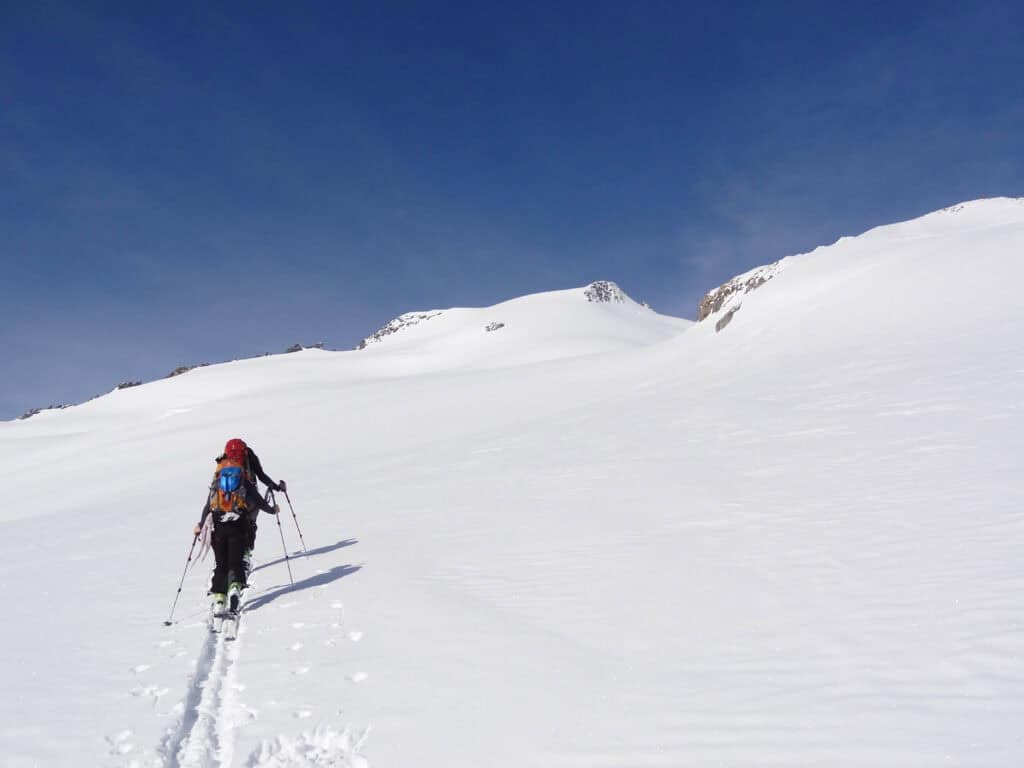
{"points": [[793, 539]]}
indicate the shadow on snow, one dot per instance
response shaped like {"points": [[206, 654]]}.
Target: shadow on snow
{"points": [[318, 551], [316, 580]]}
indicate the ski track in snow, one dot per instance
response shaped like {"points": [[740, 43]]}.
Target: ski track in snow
{"points": [[203, 738]]}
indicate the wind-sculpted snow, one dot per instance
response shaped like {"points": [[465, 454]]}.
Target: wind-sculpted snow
{"points": [[595, 537]]}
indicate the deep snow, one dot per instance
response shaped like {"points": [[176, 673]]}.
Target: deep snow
{"points": [[795, 542]]}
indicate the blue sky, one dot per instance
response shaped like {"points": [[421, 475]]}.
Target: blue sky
{"points": [[203, 181]]}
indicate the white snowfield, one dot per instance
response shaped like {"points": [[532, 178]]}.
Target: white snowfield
{"points": [[794, 542]]}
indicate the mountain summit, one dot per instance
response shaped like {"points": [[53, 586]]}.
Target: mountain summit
{"points": [[597, 318]]}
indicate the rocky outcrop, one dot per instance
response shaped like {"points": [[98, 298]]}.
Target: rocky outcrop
{"points": [[300, 347], [726, 318], [491, 327], [400, 323], [741, 285], [184, 369], [128, 384], [33, 411], [603, 292]]}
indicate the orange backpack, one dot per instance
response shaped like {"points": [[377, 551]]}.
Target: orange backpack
{"points": [[227, 491]]}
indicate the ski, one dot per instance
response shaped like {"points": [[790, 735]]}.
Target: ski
{"points": [[216, 622], [225, 617], [229, 621]]}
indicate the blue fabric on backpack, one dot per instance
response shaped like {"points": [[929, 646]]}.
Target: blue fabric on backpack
{"points": [[230, 479]]}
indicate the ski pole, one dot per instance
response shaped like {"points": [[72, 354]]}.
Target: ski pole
{"points": [[288, 499], [182, 583], [272, 502]]}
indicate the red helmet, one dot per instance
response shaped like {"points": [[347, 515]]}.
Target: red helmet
{"points": [[235, 449]]}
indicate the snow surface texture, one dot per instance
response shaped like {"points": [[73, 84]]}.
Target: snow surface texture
{"points": [[794, 542]]}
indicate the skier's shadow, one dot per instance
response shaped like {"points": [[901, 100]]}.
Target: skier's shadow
{"points": [[318, 551], [317, 580]]}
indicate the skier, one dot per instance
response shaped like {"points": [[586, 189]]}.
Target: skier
{"points": [[236, 450], [234, 499]]}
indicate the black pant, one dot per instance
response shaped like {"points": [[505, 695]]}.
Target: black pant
{"points": [[229, 544], [251, 537]]}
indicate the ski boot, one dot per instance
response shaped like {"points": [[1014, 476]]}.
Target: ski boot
{"points": [[247, 562], [235, 595], [234, 611]]}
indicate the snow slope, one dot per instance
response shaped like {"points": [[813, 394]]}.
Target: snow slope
{"points": [[791, 542]]}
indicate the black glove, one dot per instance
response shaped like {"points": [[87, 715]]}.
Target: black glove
{"points": [[282, 486]]}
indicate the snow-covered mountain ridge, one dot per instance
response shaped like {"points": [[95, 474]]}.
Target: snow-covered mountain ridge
{"points": [[593, 319], [599, 292], [791, 542], [853, 257], [723, 301], [598, 318]]}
